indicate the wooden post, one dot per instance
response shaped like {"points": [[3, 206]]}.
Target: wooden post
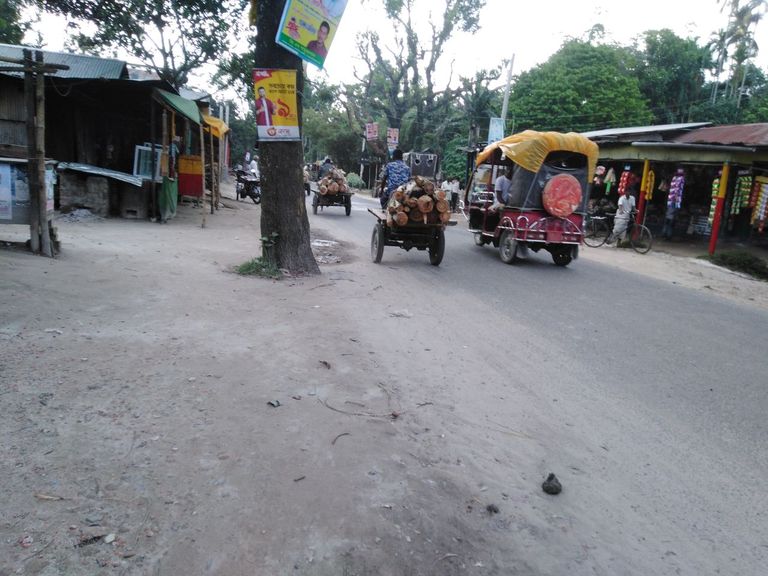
{"points": [[42, 188], [202, 160], [32, 174], [214, 198], [721, 192], [152, 190]]}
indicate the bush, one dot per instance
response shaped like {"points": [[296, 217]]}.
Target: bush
{"points": [[355, 181], [741, 261]]}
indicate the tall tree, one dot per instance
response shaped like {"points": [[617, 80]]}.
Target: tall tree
{"points": [[671, 74], [581, 87], [174, 36], [12, 28], [743, 17], [283, 212]]}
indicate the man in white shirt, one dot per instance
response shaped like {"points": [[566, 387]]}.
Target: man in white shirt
{"points": [[455, 189], [623, 214], [254, 167], [501, 187]]}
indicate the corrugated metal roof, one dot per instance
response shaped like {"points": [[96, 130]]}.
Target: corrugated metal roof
{"points": [[635, 130], [731, 135], [98, 171], [80, 65]]}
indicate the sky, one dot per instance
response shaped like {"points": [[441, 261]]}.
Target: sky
{"points": [[531, 31]]}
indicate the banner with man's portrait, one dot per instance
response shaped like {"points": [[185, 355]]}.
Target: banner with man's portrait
{"points": [[277, 115], [307, 28]]}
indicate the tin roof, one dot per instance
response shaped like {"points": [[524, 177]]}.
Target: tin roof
{"points": [[80, 65], [632, 131], [730, 135]]}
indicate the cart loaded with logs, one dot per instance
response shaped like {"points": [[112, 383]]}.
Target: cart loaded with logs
{"points": [[415, 217], [333, 190]]}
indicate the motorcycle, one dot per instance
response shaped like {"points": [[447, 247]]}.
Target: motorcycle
{"points": [[247, 185]]}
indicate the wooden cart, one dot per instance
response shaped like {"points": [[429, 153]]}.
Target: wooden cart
{"points": [[417, 235], [337, 199]]}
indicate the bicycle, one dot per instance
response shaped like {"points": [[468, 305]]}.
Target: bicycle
{"points": [[598, 231]]}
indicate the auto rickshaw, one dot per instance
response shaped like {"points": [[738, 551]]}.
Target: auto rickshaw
{"points": [[547, 199]]}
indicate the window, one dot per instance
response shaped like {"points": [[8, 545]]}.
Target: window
{"points": [[142, 161]]}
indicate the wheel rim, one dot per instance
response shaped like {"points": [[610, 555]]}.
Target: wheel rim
{"points": [[641, 239], [508, 247]]}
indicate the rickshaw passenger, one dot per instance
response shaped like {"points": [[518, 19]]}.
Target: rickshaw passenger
{"points": [[502, 187]]}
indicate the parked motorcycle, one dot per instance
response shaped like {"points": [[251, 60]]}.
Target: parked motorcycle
{"points": [[247, 185]]}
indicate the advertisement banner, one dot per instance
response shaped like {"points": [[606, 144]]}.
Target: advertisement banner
{"points": [[372, 131], [393, 137], [6, 194], [307, 28], [495, 130], [277, 117]]}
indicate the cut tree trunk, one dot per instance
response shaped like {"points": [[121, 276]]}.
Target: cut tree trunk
{"points": [[283, 211]]}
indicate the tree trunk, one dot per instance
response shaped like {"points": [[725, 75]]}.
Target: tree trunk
{"points": [[283, 211]]}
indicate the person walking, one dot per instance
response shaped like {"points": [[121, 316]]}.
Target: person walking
{"points": [[455, 191]]}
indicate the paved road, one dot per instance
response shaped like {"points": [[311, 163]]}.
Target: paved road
{"points": [[658, 390]]}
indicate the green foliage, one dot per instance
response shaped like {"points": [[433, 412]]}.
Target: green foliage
{"points": [[355, 181], [174, 36], [242, 137], [741, 261], [453, 162], [581, 87], [258, 267], [11, 27], [671, 74]]}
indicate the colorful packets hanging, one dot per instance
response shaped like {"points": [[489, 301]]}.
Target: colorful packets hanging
{"points": [[713, 204], [624, 182], [675, 197], [741, 193], [761, 208]]}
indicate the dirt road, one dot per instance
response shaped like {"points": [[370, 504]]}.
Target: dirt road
{"points": [[138, 438]]}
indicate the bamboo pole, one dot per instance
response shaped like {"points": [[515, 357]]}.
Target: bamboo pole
{"points": [[202, 160], [42, 188], [34, 197], [214, 198]]}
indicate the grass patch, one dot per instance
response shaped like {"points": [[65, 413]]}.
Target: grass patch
{"points": [[258, 267], [741, 261]]}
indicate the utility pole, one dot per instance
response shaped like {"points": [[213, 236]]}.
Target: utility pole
{"points": [[505, 105]]}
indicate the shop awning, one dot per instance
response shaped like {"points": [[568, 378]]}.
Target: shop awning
{"points": [[186, 108], [216, 125]]}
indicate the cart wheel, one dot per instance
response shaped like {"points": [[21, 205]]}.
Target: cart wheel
{"points": [[478, 239], [508, 247], [437, 248], [315, 202], [348, 205], [562, 257], [377, 242]]}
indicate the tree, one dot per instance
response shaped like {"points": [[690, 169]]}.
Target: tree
{"points": [[283, 213], [671, 74], [742, 20], [174, 36], [12, 28], [581, 87]]}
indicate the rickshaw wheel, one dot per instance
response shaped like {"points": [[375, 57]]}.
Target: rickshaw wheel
{"points": [[478, 239], [315, 202], [508, 247], [437, 248], [348, 205], [377, 243], [562, 257]]}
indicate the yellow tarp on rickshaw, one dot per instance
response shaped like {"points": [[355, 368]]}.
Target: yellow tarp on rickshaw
{"points": [[529, 149]]}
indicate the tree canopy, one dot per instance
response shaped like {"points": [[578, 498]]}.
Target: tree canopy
{"points": [[12, 28]]}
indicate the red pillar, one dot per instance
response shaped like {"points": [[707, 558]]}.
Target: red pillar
{"points": [[719, 208]]}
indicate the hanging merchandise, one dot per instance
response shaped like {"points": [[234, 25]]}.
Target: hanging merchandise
{"points": [[675, 197], [713, 205], [610, 180], [624, 180], [742, 191], [756, 186], [759, 215], [649, 184], [599, 175]]}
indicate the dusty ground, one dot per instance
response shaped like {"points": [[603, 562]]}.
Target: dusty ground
{"points": [[137, 438]]}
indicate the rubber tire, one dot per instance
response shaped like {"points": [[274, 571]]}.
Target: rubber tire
{"points": [[348, 205], [596, 232], [256, 198], [315, 202], [377, 243], [508, 247], [478, 238], [437, 249], [641, 239], [562, 257], [307, 188]]}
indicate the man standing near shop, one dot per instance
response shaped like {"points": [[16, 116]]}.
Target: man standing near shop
{"points": [[623, 213], [395, 174]]}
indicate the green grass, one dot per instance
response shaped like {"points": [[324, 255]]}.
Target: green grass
{"points": [[741, 261], [258, 267]]}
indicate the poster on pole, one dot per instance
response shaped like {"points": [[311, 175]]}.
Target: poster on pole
{"points": [[372, 131], [6, 193], [277, 118], [307, 28], [495, 130], [393, 139]]}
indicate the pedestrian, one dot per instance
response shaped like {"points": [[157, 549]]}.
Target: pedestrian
{"points": [[502, 186], [623, 213], [455, 190], [395, 173], [254, 166]]}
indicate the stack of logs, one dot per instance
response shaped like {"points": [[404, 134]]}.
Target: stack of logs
{"points": [[333, 183], [418, 201]]}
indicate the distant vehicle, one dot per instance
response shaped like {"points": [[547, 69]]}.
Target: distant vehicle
{"points": [[422, 164], [547, 200]]}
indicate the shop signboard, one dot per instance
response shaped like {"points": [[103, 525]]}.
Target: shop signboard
{"points": [[307, 28], [372, 131], [495, 130], [277, 118], [393, 139]]}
